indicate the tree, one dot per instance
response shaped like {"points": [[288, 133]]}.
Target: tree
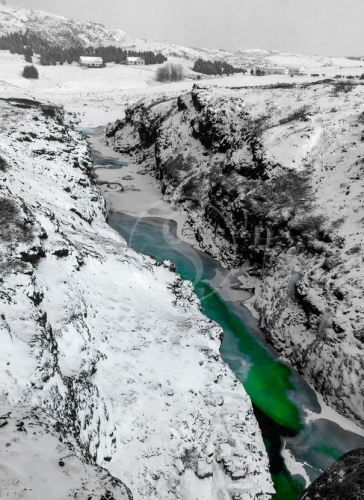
{"points": [[30, 72], [28, 54], [215, 68], [170, 73]]}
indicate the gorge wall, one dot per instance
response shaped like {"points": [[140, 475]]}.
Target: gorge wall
{"points": [[272, 180], [109, 373]]}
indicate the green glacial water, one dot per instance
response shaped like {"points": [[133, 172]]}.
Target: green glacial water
{"points": [[280, 397], [298, 449]]}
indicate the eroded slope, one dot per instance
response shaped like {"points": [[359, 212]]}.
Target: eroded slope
{"points": [[111, 348]]}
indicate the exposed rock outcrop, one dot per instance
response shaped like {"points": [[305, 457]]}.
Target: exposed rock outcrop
{"points": [[343, 480], [272, 181]]}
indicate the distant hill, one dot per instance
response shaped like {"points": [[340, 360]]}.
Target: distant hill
{"points": [[59, 30]]}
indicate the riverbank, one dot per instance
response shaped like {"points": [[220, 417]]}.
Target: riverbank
{"points": [[146, 202], [140, 197], [139, 200]]}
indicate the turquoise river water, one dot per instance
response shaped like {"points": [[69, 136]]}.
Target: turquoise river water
{"points": [[299, 449]]}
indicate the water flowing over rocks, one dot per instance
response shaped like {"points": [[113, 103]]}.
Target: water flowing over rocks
{"points": [[107, 362], [272, 182]]}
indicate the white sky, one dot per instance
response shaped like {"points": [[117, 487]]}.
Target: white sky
{"points": [[329, 27]]}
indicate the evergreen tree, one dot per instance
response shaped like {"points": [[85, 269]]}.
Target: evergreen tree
{"points": [[30, 72]]}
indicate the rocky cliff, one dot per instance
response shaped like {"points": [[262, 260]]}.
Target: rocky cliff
{"points": [[109, 373], [272, 179], [344, 479]]}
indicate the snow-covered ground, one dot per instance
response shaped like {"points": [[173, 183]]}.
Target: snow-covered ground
{"points": [[310, 295], [94, 335], [107, 344]]}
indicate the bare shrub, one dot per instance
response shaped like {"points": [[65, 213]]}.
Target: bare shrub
{"points": [[3, 165], [343, 86], [280, 198], [190, 188], [298, 114], [310, 226], [170, 73], [13, 227], [259, 124]]}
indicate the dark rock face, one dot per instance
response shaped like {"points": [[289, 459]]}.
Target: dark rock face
{"points": [[257, 202], [344, 480]]}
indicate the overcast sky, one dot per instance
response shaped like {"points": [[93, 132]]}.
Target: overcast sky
{"points": [[331, 27]]}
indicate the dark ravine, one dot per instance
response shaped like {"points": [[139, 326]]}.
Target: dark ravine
{"points": [[255, 213]]}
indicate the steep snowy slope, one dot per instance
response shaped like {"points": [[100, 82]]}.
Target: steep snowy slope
{"points": [[272, 179], [101, 348]]}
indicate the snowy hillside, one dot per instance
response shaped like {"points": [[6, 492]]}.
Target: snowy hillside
{"points": [[65, 32], [271, 180], [106, 359]]}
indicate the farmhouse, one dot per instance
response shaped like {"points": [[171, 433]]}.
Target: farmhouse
{"points": [[135, 61], [274, 70], [91, 62], [302, 71]]}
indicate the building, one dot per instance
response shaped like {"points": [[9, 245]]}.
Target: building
{"points": [[91, 62], [135, 61], [274, 70], [302, 71]]}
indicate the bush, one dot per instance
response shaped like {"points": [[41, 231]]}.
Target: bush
{"points": [[3, 165], [344, 86], [13, 225], [30, 72], [170, 73], [280, 198], [298, 114]]}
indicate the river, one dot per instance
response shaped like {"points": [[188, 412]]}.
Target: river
{"points": [[300, 442]]}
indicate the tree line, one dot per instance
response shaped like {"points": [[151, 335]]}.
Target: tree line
{"points": [[216, 68], [29, 43]]}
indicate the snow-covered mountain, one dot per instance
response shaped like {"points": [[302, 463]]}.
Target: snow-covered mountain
{"points": [[106, 361]]}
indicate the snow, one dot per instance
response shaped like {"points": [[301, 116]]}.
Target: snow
{"points": [[34, 464], [294, 466], [117, 358], [325, 141], [108, 344]]}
